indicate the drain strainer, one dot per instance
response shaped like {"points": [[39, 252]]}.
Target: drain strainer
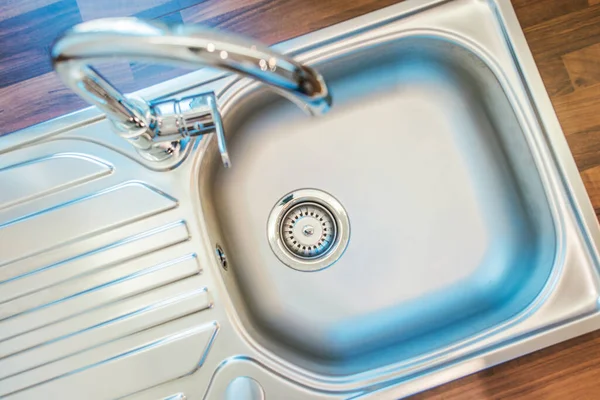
{"points": [[308, 230]]}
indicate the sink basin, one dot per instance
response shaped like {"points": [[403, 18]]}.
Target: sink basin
{"points": [[431, 225], [451, 228]]}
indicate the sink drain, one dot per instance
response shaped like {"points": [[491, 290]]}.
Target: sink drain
{"points": [[308, 230]]}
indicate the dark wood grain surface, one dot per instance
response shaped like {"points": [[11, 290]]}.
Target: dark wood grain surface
{"points": [[564, 36]]}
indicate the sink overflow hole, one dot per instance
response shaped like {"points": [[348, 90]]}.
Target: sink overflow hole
{"points": [[221, 257]]}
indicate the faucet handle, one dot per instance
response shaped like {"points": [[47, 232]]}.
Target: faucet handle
{"points": [[185, 118]]}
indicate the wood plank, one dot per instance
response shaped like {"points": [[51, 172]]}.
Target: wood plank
{"points": [[555, 75], [20, 66], [547, 38], [591, 180], [35, 99], [91, 9], [287, 18], [163, 10], [569, 370], [148, 74], [578, 111], [533, 12], [564, 34], [585, 146], [12, 8], [33, 33], [583, 66], [32, 100]]}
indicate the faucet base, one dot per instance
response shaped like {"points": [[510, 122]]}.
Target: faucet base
{"points": [[171, 125]]}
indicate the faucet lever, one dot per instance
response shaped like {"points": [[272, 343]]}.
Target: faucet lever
{"points": [[189, 117]]}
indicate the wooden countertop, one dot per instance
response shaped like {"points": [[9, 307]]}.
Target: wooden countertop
{"points": [[564, 36]]}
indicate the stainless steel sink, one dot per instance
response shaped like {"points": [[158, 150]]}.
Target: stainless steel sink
{"points": [[452, 231], [431, 225]]}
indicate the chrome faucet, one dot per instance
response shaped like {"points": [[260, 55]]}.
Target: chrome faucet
{"points": [[161, 130]]}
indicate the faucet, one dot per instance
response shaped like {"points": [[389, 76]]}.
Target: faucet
{"points": [[160, 130]]}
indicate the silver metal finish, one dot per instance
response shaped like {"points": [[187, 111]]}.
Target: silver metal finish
{"points": [[160, 130], [473, 240], [308, 230], [244, 388]]}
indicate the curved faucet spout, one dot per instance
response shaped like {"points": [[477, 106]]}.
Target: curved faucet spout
{"points": [[155, 130]]}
